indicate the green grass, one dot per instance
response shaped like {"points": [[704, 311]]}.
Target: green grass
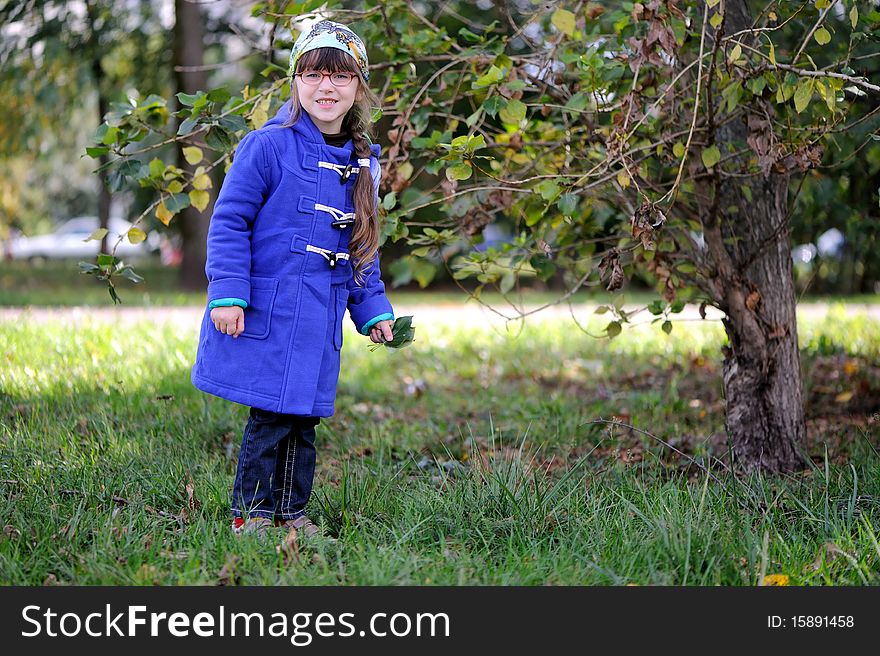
{"points": [[463, 459]]}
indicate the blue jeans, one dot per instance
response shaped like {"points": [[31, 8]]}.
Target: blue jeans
{"points": [[276, 465]]}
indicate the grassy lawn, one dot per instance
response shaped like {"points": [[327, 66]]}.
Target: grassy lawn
{"points": [[465, 459]]}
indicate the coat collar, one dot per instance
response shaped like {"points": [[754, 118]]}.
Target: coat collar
{"points": [[305, 127]]}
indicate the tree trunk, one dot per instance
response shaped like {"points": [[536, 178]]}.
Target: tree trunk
{"points": [[104, 197], [193, 224], [748, 245]]}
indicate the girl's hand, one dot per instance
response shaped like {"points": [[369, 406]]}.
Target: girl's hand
{"points": [[229, 320], [381, 332]]}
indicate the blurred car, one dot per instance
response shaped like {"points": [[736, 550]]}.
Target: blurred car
{"points": [[68, 242]]}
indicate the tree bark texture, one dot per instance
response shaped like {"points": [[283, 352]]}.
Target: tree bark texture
{"points": [[748, 247], [193, 224]]}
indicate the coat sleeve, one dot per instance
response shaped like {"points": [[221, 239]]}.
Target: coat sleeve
{"points": [[368, 304], [242, 195]]}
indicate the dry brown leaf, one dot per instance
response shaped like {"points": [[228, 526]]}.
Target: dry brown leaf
{"points": [[227, 574], [753, 299]]}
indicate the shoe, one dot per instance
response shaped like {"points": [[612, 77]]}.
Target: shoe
{"points": [[303, 525], [257, 525]]}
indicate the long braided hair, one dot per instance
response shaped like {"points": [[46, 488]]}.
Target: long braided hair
{"points": [[365, 235]]}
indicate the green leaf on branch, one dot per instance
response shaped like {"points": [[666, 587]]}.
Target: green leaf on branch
{"points": [[564, 21], [218, 139], [567, 204], [803, 94], [513, 112], [656, 307], [199, 199], [822, 36], [492, 104], [97, 235], [192, 154], [493, 76], [548, 189], [461, 171], [136, 235], [157, 168], [667, 326], [176, 202], [613, 329], [711, 156]]}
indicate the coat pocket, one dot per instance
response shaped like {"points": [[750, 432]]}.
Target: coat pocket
{"points": [[341, 301], [258, 315]]}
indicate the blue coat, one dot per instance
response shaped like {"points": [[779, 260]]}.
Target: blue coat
{"points": [[271, 244]]}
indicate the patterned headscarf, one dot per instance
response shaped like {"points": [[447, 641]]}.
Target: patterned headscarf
{"points": [[327, 34]]}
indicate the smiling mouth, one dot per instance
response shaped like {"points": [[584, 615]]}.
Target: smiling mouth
{"points": [[326, 102]]}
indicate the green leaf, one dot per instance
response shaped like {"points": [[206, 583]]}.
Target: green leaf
{"points": [[188, 99], [110, 136], [219, 95], [656, 307], [676, 307], [233, 123], [803, 94], [128, 273], [711, 156], [389, 201], [822, 36], [513, 112], [192, 154], [493, 76], [157, 168], [176, 202], [507, 282], [854, 16], [548, 189], [567, 204], [96, 151], [716, 20], [613, 329], [97, 235], [712, 3], [735, 54], [492, 104], [667, 326], [678, 149], [136, 235], [187, 126], [218, 139], [564, 21], [199, 199], [461, 171]]}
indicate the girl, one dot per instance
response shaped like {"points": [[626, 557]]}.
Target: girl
{"points": [[292, 243]]}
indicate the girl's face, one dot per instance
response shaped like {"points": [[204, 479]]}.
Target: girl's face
{"points": [[326, 103]]}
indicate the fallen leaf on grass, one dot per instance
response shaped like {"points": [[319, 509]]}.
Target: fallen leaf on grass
{"points": [[830, 551], [289, 547], [227, 574], [192, 504]]}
